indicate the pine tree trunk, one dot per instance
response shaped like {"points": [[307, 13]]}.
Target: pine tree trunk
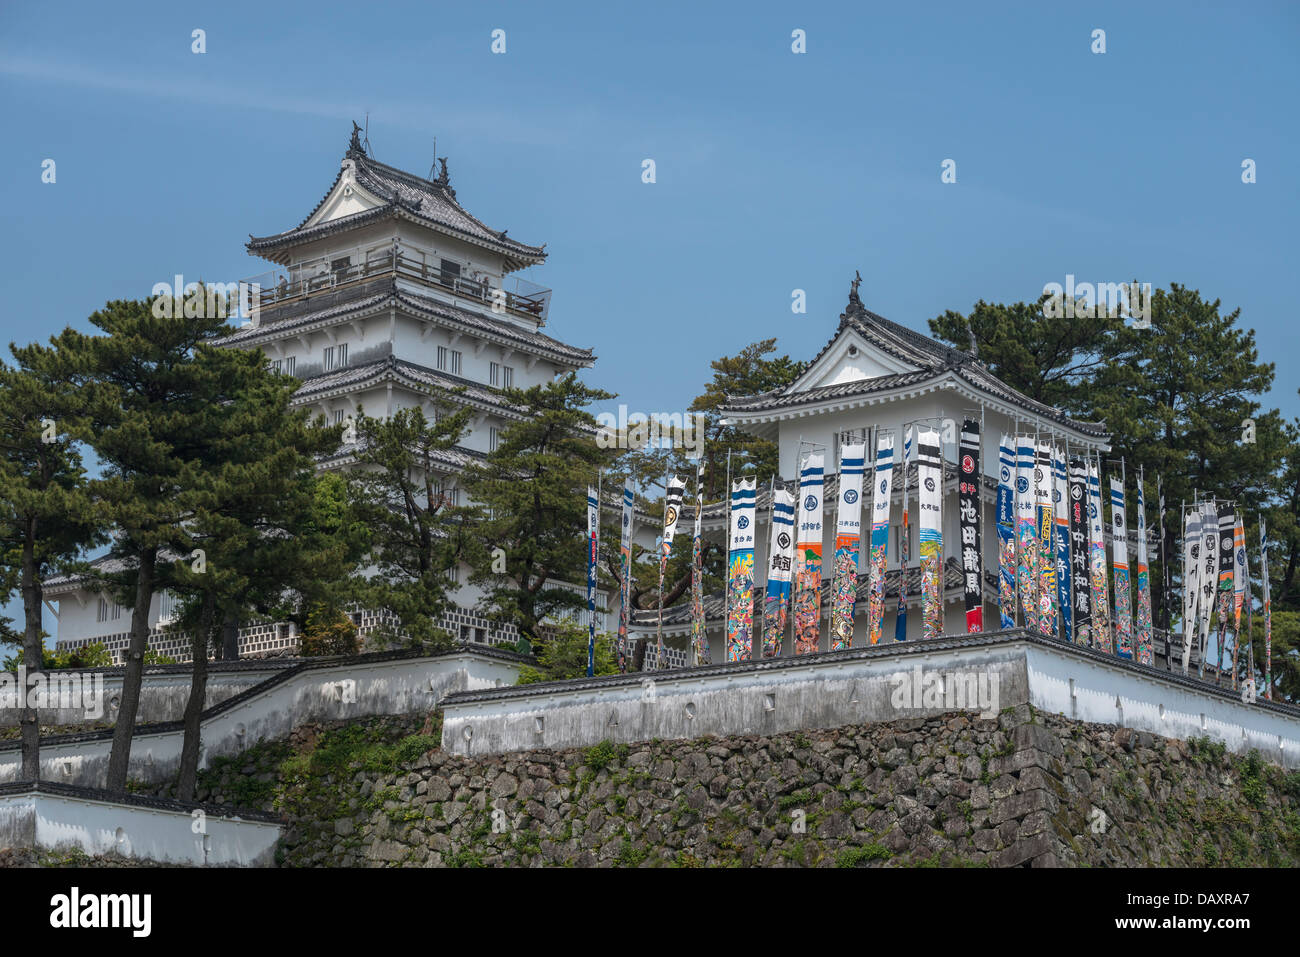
{"points": [[194, 707], [230, 637], [33, 657], [120, 756]]}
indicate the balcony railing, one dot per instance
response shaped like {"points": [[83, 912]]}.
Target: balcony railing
{"points": [[515, 295]]}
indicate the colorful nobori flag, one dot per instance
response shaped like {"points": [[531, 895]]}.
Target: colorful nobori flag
{"points": [[1061, 510], [780, 562], [625, 575], [740, 572], [848, 534], [808, 558], [1268, 612], [1209, 578], [1123, 591], [1227, 526], [904, 544], [1239, 578], [1006, 532], [1080, 555], [881, 492], [593, 549], [672, 511], [1143, 628], [1192, 566], [1046, 522], [1026, 532], [1102, 639], [699, 633], [968, 503], [929, 477]]}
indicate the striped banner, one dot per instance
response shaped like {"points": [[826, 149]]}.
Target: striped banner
{"points": [[699, 632], [625, 576], [1268, 612], [593, 551], [1123, 590], [1227, 526], [1192, 565], [904, 546], [848, 534], [780, 562], [672, 511], [1046, 522], [1102, 639], [1145, 655], [882, 490], [1061, 511], [1080, 555], [968, 504], [1209, 577], [1027, 532], [808, 558], [929, 477], [1006, 532], [740, 572], [1239, 578]]}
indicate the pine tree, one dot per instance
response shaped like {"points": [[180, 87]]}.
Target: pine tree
{"points": [[400, 492], [47, 516], [530, 505]]}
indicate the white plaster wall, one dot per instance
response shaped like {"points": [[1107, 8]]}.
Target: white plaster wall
{"points": [[398, 686], [57, 821]]}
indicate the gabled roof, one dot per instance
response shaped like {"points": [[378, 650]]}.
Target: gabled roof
{"points": [[337, 305], [402, 195], [411, 374], [931, 360]]}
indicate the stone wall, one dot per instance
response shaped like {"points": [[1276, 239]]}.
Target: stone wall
{"points": [[1020, 789]]}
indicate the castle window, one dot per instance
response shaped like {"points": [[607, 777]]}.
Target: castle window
{"points": [[449, 360]]}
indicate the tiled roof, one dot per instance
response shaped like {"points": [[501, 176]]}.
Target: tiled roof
{"points": [[431, 202], [933, 360], [714, 612], [383, 292], [413, 374]]}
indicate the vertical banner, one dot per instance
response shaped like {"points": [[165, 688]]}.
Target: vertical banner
{"points": [[848, 535], [1045, 520], [929, 479], [1061, 510], [625, 576], [1006, 532], [593, 550], [1192, 541], [1102, 639], [1026, 532], [740, 572], [1239, 579], [904, 545], [672, 511], [780, 562], [1080, 555], [1143, 631], [882, 490], [808, 558], [1227, 526], [1209, 578], [1123, 590], [968, 503], [699, 633], [1268, 612]]}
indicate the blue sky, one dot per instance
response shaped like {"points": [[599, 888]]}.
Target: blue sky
{"points": [[775, 171]]}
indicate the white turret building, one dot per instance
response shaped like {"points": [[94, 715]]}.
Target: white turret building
{"points": [[387, 291]]}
